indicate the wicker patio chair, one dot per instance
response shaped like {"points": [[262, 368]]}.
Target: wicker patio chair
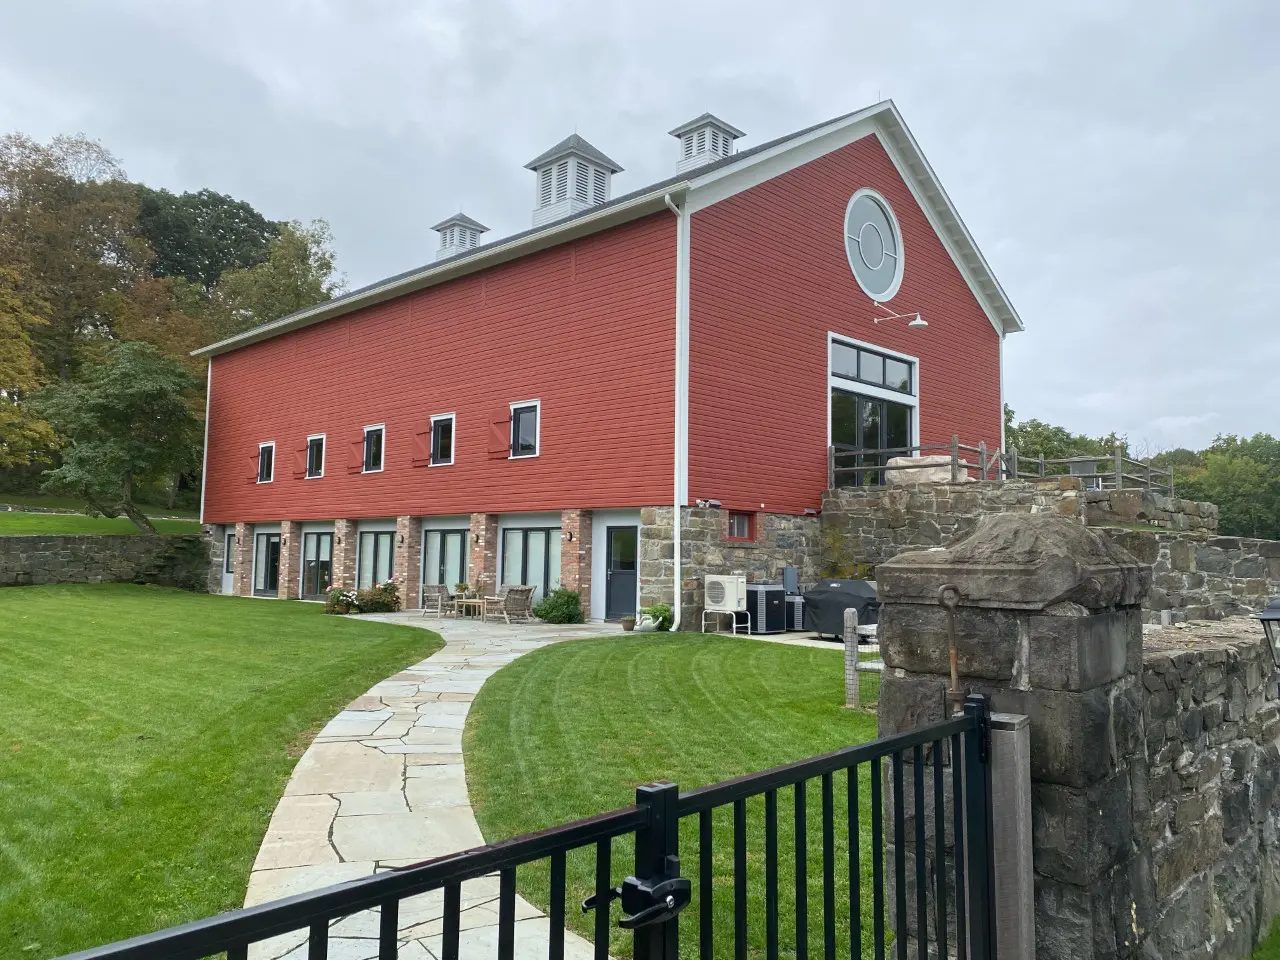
{"points": [[436, 600], [512, 604]]}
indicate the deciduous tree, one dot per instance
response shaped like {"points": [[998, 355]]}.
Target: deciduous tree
{"points": [[128, 421], [25, 438]]}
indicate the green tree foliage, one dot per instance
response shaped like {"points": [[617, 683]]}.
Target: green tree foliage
{"points": [[199, 236], [297, 273], [25, 438], [128, 421], [1035, 438]]}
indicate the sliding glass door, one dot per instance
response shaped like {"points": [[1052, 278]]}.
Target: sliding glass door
{"points": [[868, 423], [374, 561], [317, 565], [531, 556], [444, 557]]}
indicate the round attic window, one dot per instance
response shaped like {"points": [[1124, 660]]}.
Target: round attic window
{"points": [[874, 244]]}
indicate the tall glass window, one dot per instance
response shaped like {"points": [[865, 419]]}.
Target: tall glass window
{"points": [[374, 560], [444, 559], [317, 564], [872, 424], [531, 556], [266, 564]]}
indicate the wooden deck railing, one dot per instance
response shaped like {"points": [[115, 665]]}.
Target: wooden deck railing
{"points": [[856, 466]]}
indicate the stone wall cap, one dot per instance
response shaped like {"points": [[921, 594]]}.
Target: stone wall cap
{"points": [[1020, 562], [1009, 721]]}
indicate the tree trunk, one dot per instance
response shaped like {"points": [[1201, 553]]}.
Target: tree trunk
{"points": [[130, 510]]}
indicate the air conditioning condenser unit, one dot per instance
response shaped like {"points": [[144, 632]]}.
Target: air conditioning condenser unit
{"points": [[725, 594]]}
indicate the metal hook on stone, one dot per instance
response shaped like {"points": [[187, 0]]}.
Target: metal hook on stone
{"points": [[949, 599]]}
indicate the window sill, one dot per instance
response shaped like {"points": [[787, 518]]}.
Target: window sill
{"points": [[523, 456], [740, 541], [442, 463], [314, 476], [263, 481], [379, 470]]}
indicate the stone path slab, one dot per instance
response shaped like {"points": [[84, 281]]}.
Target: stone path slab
{"points": [[384, 786]]}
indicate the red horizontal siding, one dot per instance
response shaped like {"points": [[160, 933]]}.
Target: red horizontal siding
{"points": [[769, 278], [587, 328]]}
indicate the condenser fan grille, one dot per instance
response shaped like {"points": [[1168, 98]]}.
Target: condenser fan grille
{"points": [[715, 592]]}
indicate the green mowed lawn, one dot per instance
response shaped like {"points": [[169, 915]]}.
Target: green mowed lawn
{"points": [[67, 503], [571, 730], [145, 737], [16, 524]]}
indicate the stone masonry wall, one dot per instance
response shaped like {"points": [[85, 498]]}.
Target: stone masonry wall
{"points": [[1204, 578], [781, 540], [179, 561], [1209, 814], [1110, 507], [881, 522]]}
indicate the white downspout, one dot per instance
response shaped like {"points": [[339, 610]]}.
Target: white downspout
{"points": [[204, 463], [680, 480]]}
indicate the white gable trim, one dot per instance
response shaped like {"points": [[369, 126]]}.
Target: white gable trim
{"points": [[885, 123]]}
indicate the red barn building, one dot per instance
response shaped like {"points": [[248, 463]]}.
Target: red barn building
{"points": [[637, 391]]}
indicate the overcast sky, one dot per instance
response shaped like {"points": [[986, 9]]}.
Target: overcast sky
{"points": [[1116, 162]]}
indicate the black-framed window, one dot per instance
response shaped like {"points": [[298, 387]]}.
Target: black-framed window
{"points": [[315, 457], [266, 462], [373, 442], [442, 440], [740, 525], [444, 557], [229, 554], [881, 370], [374, 563], [317, 564], [266, 564], [531, 556], [524, 430], [869, 423]]}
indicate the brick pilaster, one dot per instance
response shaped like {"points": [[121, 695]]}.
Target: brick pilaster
{"points": [[243, 576], [407, 567], [290, 559], [344, 554], [575, 555], [482, 569]]}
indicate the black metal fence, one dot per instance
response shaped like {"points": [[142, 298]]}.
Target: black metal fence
{"points": [[917, 883]]}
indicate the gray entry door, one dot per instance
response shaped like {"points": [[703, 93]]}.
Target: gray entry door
{"points": [[621, 554]]}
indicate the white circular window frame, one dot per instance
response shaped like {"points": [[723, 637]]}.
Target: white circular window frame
{"points": [[851, 251]]}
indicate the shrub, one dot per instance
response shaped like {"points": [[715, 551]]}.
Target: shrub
{"points": [[380, 598], [559, 606], [661, 613], [340, 601]]}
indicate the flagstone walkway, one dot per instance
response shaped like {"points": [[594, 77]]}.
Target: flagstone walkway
{"points": [[383, 786]]}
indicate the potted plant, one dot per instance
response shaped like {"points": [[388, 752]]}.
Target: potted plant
{"points": [[628, 623], [460, 589]]}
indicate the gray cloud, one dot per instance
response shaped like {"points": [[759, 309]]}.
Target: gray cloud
{"points": [[1115, 162]]}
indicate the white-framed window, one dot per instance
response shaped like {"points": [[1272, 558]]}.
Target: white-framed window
{"points": [[266, 461], [315, 456], [526, 428], [873, 243], [374, 440], [442, 440]]}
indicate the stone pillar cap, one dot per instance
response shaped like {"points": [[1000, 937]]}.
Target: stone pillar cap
{"points": [[1020, 562]]}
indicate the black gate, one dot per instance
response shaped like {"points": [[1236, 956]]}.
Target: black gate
{"points": [[929, 861]]}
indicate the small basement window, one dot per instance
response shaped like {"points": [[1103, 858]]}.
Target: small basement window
{"points": [[315, 456], [373, 437], [741, 526], [442, 440], [266, 462], [524, 429]]}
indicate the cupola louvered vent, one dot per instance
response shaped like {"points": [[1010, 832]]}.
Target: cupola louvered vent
{"points": [[704, 139], [458, 234], [571, 176]]}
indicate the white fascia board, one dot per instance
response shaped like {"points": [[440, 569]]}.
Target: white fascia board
{"points": [[885, 123], [553, 235]]}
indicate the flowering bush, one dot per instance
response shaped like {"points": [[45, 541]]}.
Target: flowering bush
{"points": [[341, 601], [380, 598]]}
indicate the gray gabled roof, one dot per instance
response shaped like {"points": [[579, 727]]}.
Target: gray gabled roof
{"points": [[703, 121], [462, 220], [506, 247], [573, 144]]}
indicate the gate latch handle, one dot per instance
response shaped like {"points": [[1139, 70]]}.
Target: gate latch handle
{"points": [[603, 900], [656, 899]]}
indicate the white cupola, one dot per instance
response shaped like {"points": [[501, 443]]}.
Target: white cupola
{"points": [[571, 176], [704, 139], [458, 234]]}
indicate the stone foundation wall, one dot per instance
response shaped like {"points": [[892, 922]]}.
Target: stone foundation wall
{"points": [[781, 540], [881, 522], [179, 561], [1209, 814], [1111, 507], [216, 540], [1204, 578]]}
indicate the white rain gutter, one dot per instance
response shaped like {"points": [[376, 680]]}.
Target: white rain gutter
{"points": [[680, 472], [204, 462]]}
